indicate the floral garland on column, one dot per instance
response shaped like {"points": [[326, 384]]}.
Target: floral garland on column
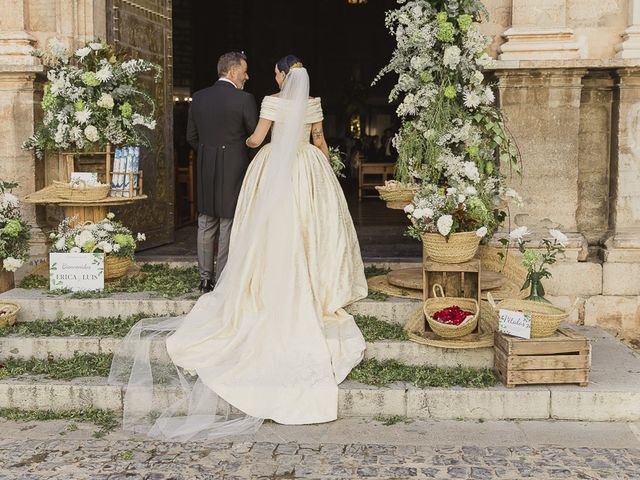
{"points": [[453, 144]]}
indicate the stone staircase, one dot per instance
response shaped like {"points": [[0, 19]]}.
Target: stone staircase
{"points": [[613, 394]]}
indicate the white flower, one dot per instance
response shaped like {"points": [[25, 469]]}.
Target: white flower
{"points": [[111, 215], [142, 237], [471, 190], [11, 264], [96, 46], [481, 232], [451, 57], [138, 119], [558, 236], [105, 101], [511, 194], [108, 227], [409, 208], [116, 247], [104, 74], [8, 200], [60, 244], [519, 233], [91, 133], [452, 191], [106, 247], [461, 198], [83, 52], [471, 171], [417, 11], [83, 115], [477, 77], [471, 99], [75, 250], [52, 235], [83, 237], [488, 95], [58, 49], [444, 225]]}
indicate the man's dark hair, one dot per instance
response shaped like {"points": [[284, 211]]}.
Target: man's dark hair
{"points": [[228, 60]]}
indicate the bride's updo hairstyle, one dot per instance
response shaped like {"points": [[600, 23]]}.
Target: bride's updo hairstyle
{"points": [[285, 64]]}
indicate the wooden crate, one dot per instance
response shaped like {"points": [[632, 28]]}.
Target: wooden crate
{"points": [[564, 357], [457, 279]]}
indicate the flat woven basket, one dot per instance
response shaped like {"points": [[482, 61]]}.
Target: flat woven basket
{"points": [[115, 267], [11, 313], [396, 194], [437, 303], [82, 192], [545, 317], [458, 248]]}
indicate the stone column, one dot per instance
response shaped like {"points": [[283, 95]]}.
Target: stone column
{"points": [[15, 42], [630, 46], [539, 31]]}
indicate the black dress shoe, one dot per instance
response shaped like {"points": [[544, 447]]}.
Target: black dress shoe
{"points": [[205, 286]]}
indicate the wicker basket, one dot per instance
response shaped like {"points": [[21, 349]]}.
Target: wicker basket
{"points": [[84, 193], [545, 317], [458, 248], [8, 318], [439, 302], [390, 194], [115, 267]]}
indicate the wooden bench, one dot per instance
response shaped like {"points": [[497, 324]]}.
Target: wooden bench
{"points": [[383, 172]]}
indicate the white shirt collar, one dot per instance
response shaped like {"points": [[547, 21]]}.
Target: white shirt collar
{"points": [[227, 80]]}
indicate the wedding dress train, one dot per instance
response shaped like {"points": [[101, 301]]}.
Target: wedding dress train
{"points": [[272, 340]]}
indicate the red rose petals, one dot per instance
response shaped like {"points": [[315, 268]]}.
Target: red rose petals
{"points": [[452, 315]]}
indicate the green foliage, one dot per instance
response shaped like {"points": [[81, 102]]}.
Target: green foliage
{"points": [[374, 271], [374, 329], [381, 373], [107, 420], [389, 420], [80, 365], [377, 296]]}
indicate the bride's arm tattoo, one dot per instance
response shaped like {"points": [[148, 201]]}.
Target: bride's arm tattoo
{"points": [[317, 133]]}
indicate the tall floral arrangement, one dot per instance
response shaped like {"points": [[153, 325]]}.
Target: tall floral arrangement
{"points": [[453, 140], [93, 96], [14, 231]]}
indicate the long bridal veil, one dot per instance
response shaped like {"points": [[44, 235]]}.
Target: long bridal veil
{"points": [[166, 363]]}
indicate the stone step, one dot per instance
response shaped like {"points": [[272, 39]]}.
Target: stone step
{"points": [[406, 352], [594, 403], [41, 305]]}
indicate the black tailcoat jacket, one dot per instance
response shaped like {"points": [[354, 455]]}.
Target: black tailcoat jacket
{"points": [[221, 118]]}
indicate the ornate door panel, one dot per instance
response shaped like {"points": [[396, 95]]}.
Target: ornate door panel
{"points": [[143, 29]]}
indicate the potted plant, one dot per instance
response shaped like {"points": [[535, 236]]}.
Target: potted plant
{"points": [[107, 236], [14, 236], [451, 222]]}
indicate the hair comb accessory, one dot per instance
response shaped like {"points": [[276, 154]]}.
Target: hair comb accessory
{"points": [[296, 65]]}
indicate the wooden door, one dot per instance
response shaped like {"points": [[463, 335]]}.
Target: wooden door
{"points": [[143, 28]]}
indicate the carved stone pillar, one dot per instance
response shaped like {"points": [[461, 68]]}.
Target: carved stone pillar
{"points": [[15, 42], [539, 32], [630, 46]]}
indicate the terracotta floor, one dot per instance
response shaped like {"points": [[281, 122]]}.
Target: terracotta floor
{"points": [[381, 232]]}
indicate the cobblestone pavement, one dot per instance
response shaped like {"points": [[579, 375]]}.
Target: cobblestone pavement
{"points": [[121, 458]]}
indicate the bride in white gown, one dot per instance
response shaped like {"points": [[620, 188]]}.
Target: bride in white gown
{"points": [[272, 340]]}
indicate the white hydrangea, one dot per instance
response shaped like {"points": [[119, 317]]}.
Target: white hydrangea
{"points": [[452, 56], [83, 237], [105, 101], [444, 224], [471, 171], [91, 133], [11, 264]]}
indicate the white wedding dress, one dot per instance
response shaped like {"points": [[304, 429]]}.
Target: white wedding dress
{"points": [[272, 340]]}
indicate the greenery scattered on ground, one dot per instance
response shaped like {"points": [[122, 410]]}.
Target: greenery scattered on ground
{"points": [[381, 373], [377, 296], [107, 420], [374, 329], [64, 327], [374, 271], [80, 365], [157, 279], [392, 419]]}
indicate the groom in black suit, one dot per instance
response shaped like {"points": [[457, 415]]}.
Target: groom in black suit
{"points": [[221, 117]]}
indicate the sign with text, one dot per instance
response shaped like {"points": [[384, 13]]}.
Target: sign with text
{"points": [[76, 271], [517, 324]]}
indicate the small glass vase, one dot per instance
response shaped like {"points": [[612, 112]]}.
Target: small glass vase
{"points": [[536, 291]]}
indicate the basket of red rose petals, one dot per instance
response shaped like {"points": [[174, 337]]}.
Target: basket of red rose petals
{"points": [[450, 317]]}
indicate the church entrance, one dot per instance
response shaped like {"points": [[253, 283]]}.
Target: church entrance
{"points": [[343, 43]]}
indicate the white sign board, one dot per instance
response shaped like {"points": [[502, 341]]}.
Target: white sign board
{"points": [[76, 271], [88, 177], [517, 324]]}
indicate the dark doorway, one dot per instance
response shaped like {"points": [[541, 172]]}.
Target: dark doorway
{"points": [[343, 46]]}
